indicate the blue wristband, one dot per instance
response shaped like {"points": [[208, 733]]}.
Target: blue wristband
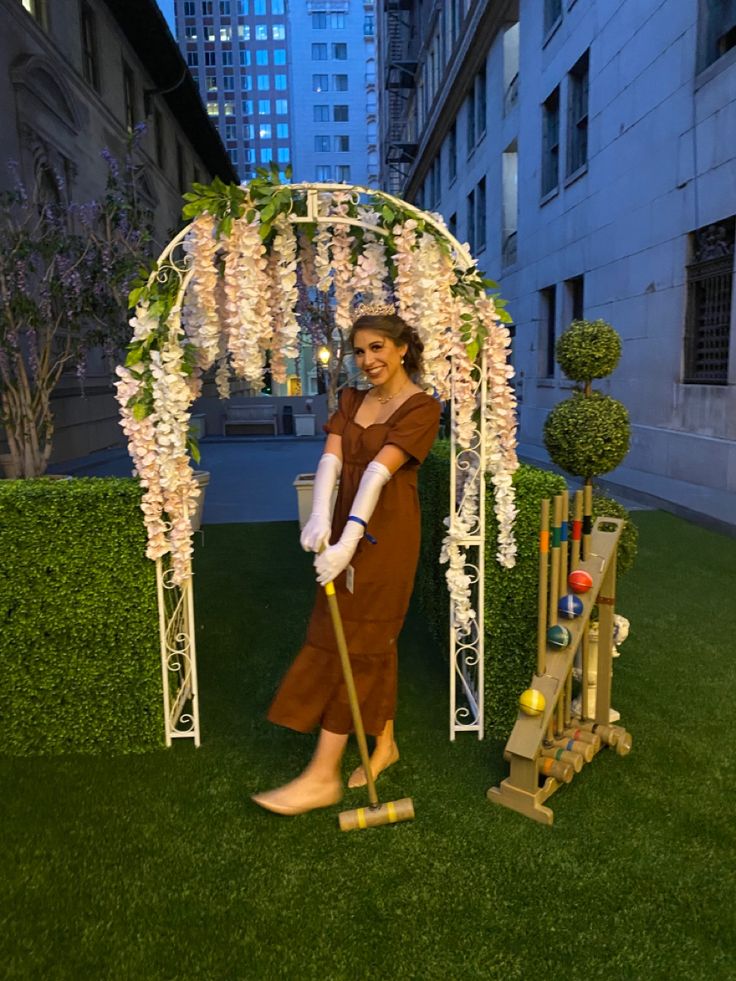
{"points": [[359, 521]]}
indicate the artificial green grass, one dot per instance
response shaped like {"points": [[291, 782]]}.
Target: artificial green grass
{"points": [[159, 867]]}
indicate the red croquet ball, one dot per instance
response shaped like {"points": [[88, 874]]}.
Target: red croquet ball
{"points": [[580, 581]]}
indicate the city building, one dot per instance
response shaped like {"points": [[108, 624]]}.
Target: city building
{"points": [[333, 71], [580, 149], [76, 79]]}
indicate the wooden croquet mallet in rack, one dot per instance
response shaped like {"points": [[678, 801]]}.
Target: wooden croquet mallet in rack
{"points": [[547, 750]]}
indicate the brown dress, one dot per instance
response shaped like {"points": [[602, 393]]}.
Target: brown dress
{"points": [[313, 691]]}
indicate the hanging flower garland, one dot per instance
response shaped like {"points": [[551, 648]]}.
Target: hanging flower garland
{"points": [[240, 292]]}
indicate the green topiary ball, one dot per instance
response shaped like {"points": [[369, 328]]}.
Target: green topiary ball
{"points": [[587, 435], [628, 543], [588, 349]]}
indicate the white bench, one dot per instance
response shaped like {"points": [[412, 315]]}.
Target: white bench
{"points": [[248, 420]]}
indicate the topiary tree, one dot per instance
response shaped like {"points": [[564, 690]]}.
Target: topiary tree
{"points": [[588, 434]]}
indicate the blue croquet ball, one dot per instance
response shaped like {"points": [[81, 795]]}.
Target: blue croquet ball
{"points": [[580, 581], [570, 606], [558, 636]]}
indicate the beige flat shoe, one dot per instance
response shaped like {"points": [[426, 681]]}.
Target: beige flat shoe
{"points": [[291, 810]]}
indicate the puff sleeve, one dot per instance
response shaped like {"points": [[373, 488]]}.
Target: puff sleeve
{"points": [[339, 418], [415, 430]]}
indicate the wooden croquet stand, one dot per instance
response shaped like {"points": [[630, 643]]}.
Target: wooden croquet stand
{"points": [[528, 747]]}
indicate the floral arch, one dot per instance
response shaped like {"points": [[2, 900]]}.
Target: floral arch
{"points": [[223, 297]]}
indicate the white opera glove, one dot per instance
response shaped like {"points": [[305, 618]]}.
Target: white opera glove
{"points": [[335, 559], [316, 532]]}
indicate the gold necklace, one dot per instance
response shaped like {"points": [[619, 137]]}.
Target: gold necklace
{"points": [[388, 398]]}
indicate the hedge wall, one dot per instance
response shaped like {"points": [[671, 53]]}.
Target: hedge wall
{"points": [[511, 594], [80, 667]]}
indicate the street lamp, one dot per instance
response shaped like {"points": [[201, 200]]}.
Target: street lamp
{"points": [[323, 357]]}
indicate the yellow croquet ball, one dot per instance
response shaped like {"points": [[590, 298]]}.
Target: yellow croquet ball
{"points": [[531, 702]]}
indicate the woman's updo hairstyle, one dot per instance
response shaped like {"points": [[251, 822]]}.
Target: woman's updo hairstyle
{"points": [[397, 330]]}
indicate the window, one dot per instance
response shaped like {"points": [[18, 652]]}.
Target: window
{"points": [[277, 6], [575, 288], [279, 56], [340, 51], [189, 8], [320, 83], [90, 63], [208, 32], [452, 161], [452, 224], [470, 214], [577, 116], [511, 67], [244, 33], [231, 131], [228, 108], [224, 8], [266, 154], [552, 14], [261, 32], [510, 205], [226, 33], [319, 52], [340, 114], [342, 173], [337, 22], [243, 7], [322, 144], [192, 59], [210, 82], [278, 32], [210, 59], [264, 131], [264, 107], [323, 172], [320, 114], [248, 107], [246, 82], [129, 107], [264, 83], [369, 26], [228, 82], [190, 33], [480, 104], [259, 8], [282, 107], [547, 338], [207, 8], [261, 56], [233, 154], [250, 155], [181, 175], [282, 131], [160, 137], [470, 119], [279, 82], [245, 58], [249, 131], [716, 30], [709, 298], [319, 22], [551, 142], [282, 154], [342, 144], [480, 215], [341, 83], [227, 58]]}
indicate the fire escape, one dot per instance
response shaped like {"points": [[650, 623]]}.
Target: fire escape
{"points": [[400, 81]]}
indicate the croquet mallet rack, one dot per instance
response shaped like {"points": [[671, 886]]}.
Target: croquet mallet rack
{"points": [[545, 751]]}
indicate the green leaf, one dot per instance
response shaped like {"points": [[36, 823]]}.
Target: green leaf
{"points": [[140, 411], [134, 356]]}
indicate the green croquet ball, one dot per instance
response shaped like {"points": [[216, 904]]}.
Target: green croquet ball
{"points": [[558, 636]]}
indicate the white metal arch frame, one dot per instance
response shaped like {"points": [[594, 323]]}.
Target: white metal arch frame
{"points": [[467, 480]]}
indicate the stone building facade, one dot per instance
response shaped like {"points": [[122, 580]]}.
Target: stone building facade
{"points": [[75, 79], [582, 151]]}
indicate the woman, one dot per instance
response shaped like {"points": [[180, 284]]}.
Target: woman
{"points": [[376, 441]]}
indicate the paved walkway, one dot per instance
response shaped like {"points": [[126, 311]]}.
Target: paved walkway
{"points": [[251, 478]]}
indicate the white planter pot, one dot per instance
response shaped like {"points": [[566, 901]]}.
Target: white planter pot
{"points": [[203, 478], [303, 424], [304, 485]]}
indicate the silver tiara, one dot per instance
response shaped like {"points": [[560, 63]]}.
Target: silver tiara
{"points": [[374, 310]]}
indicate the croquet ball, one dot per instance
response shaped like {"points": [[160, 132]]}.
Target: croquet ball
{"points": [[580, 581], [531, 702], [570, 606], [558, 636]]}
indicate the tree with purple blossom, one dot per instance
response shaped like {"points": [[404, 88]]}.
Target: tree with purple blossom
{"points": [[65, 275]]}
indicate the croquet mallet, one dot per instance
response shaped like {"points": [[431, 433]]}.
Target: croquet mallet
{"points": [[376, 814]]}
